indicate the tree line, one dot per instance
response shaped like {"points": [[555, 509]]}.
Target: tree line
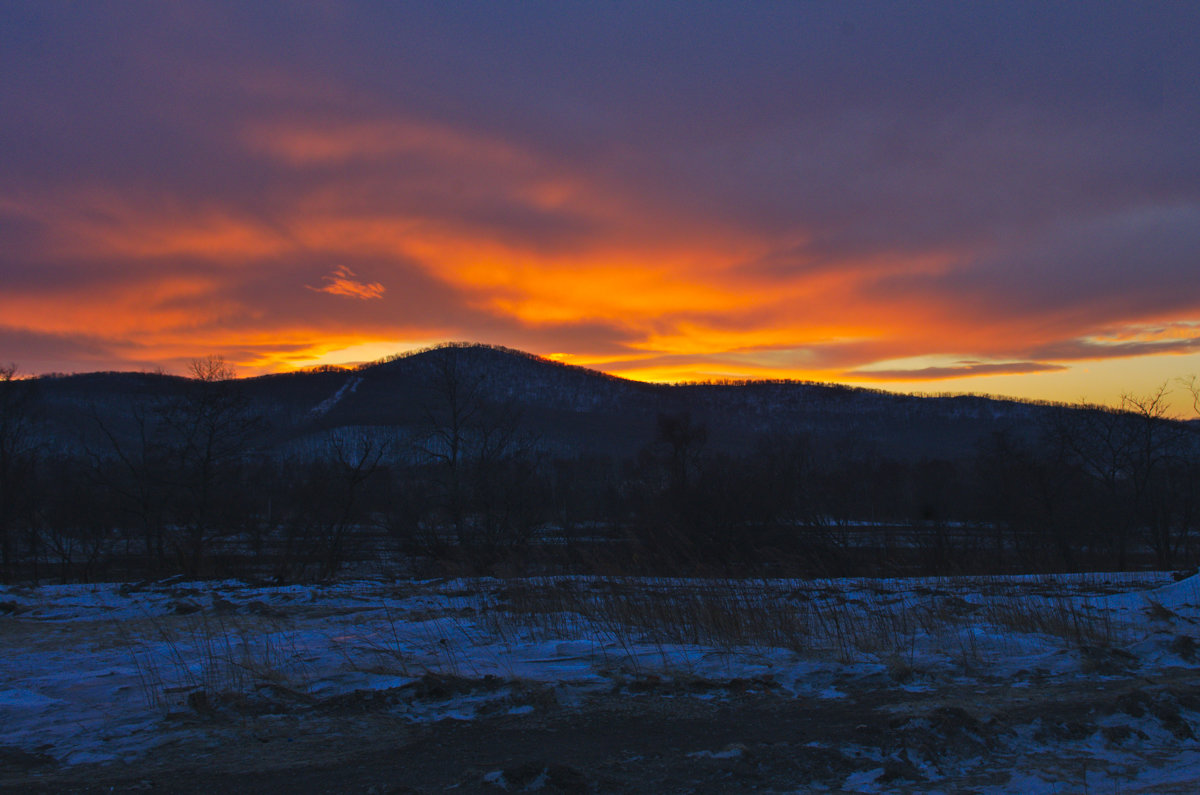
{"points": [[186, 483]]}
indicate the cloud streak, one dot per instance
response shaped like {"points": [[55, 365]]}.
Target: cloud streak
{"points": [[342, 282], [956, 371]]}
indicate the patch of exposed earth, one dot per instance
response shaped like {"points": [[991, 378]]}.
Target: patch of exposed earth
{"points": [[1108, 730]]}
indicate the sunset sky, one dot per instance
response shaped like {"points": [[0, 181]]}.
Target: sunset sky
{"points": [[999, 198]]}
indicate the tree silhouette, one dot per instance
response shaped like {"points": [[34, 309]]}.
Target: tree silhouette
{"points": [[209, 427], [18, 456]]}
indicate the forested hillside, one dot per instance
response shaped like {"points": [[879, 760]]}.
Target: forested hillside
{"points": [[470, 457]]}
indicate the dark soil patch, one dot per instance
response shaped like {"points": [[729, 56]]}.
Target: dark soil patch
{"points": [[719, 740]]}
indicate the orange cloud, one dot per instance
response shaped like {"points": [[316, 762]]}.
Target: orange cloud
{"points": [[342, 282], [682, 293], [91, 224], [328, 143]]}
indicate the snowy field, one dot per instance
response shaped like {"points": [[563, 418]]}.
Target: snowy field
{"points": [[1072, 683]]}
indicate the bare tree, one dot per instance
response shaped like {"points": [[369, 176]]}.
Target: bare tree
{"points": [[77, 520], [1188, 473], [681, 441], [1192, 384], [481, 459], [354, 463], [451, 413], [209, 429], [1096, 440], [1128, 451], [322, 503], [1155, 442], [133, 466], [669, 514], [18, 454]]}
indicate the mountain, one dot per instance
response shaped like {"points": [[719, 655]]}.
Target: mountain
{"points": [[570, 410]]}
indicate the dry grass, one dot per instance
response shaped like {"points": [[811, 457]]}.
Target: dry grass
{"points": [[202, 658], [754, 616], [1077, 622], [628, 620]]}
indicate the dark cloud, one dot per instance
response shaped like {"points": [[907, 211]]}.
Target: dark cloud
{"points": [[956, 371], [1104, 269], [1082, 350], [33, 353]]}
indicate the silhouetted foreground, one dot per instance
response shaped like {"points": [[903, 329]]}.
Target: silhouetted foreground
{"points": [[475, 460]]}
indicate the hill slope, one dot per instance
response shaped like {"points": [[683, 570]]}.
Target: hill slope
{"points": [[572, 410]]}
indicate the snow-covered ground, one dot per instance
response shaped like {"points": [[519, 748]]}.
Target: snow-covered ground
{"points": [[100, 674]]}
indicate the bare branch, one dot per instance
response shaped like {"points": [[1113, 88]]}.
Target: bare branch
{"points": [[211, 369]]}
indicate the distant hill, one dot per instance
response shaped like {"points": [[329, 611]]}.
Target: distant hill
{"points": [[570, 410]]}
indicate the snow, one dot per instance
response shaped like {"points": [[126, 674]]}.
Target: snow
{"points": [[324, 407], [864, 781], [18, 697], [733, 751], [96, 673]]}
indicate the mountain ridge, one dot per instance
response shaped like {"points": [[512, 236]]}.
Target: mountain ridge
{"points": [[572, 409]]}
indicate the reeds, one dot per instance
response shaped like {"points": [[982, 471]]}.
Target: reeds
{"points": [[204, 658], [848, 619], [645, 625]]}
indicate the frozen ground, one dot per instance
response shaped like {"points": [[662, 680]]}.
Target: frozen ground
{"points": [[1081, 683]]}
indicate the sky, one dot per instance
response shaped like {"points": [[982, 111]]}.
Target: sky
{"points": [[944, 197]]}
